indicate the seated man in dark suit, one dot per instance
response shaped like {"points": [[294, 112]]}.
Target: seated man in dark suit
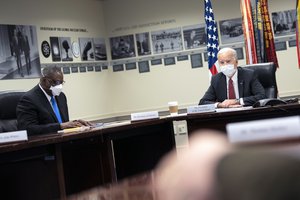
{"points": [[44, 108], [234, 86]]}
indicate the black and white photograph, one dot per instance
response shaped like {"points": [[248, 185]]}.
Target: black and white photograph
{"points": [[55, 49], [231, 31], [65, 50], [100, 49], [86, 49], [165, 41], [143, 44], [122, 47], [284, 23], [194, 36], [19, 53]]}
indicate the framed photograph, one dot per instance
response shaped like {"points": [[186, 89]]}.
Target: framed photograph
{"points": [[231, 31], [55, 49], [118, 68], [130, 66], [284, 23], [144, 66], [194, 36], [19, 52], [240, 53], [66, 51], [169, 61], [122, 47], [156, 61], [99, 49], [196, 60], [165, 41], [86, 49], [143, 44]]}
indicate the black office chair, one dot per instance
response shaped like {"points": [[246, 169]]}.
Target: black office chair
{"points": [[8, 105], [266, 76]]}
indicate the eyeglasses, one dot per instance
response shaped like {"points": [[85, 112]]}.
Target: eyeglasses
{"points": [[56, 82]]}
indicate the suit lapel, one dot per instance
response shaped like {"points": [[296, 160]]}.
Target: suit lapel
{"points": [[45, 103], [240, 83]]}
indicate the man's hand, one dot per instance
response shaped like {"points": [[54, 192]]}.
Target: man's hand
{"points": [[229, 103], [75, 123]]}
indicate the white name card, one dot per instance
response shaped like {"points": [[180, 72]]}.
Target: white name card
{"points": [[144, 115], [264, 130], [201, 109], [13, 136]]}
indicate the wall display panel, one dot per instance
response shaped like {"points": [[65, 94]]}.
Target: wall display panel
{"points": [[144, 66], [196, 60], [156, 61], [46, 49], [86, 49], [66, 70], [280, 46], [194, 36], [99, 49], [74, 69], [231, 31], [90, 68], [75, 49], [118, 67], [122, 47], [66, 51], [169, 61], [143, 44], [98, 68], [240, 53], [19, 53], [130, 66], [165, 41], [182, 58], [82, 69], [55, 49], [292, 43], [104, 67], [284, 22]]}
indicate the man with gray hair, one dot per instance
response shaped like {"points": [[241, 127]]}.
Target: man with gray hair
{"points": [[234, 86]]}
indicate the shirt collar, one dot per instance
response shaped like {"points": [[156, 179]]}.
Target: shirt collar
{"points": [[47, 95]]}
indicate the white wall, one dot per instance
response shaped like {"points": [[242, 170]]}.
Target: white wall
{"points": [[97, 95]]}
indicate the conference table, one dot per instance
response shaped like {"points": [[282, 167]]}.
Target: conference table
{"points": [[55, 166]]}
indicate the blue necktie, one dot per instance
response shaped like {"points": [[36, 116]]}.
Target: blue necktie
{"points": [[56, 110]]}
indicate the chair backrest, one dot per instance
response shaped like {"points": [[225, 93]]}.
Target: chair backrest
{"points": [[8, 104], [266, 76]]}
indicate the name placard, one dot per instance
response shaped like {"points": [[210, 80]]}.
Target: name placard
{"points": [[264, 130], [144, 115], [201, 109], [13, 136]]}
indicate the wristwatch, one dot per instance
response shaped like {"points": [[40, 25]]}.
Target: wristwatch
{"points": [[237, 101]]}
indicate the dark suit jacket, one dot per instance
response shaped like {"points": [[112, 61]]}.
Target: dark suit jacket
{"points": [[250, 89], [35, 114]]}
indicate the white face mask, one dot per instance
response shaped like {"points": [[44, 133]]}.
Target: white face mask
{"points": [[56, 90], [228, 70]]}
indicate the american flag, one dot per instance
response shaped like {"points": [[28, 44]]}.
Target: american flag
{"points": [[212, 37]]}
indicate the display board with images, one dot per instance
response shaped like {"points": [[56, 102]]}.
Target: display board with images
{"points": [[165, 41], [284, 22], [122, 47], [99, 49], [231, 31], [66, 49], [19, 52], [194, 36]]}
